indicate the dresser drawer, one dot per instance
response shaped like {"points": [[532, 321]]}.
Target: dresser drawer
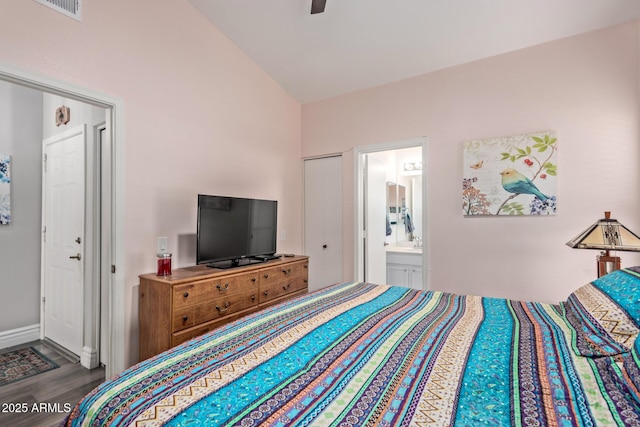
{"points": [[271, 275], [294, 284], [183, 318], [284, 287], [186, 317], [228, 286], [276, 274], [205, 290], [184, 295], [186, 335], [220, 307]]}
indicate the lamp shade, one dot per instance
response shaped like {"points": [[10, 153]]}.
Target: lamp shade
{"points": [[607, 234]]}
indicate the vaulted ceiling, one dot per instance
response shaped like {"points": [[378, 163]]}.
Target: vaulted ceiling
{"points": [[356, 44]]}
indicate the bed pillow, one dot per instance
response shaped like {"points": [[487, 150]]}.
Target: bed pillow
{"points": [[590, 337], [606, 313], [623, 287]]}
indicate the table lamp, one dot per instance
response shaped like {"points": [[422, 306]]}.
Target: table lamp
{"points": [[607, 234]]}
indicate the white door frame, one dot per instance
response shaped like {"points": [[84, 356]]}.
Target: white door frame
{"points": [[358, 221], [374, 182], [111, 259]]}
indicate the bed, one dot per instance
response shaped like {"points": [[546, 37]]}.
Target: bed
{"points": [[360, 354]]}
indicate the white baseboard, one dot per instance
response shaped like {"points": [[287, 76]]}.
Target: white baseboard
{"points": [[89, 358], [19, 336]]}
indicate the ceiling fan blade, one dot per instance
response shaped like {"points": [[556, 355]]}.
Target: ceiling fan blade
{"points": [[317, 6]]}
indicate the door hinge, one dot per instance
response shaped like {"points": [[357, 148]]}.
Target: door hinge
{"points": [[113, 269], [44, 160], [44, 233]]}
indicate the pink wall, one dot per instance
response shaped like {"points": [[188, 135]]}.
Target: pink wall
{"points": [[586, 88], [199, 116]]}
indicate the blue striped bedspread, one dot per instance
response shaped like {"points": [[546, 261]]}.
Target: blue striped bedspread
{"points": [[359, 354]]}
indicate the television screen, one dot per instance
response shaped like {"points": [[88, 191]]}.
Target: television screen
{"points": [[232, 228]]}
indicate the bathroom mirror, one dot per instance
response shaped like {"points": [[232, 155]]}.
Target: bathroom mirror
{"points": [[396, 209]]}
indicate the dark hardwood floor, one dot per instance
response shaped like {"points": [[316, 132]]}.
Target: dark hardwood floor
{"points": [[54, 393]]}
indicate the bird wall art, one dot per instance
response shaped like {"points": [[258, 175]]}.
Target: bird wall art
{"points": [[517, 175]]}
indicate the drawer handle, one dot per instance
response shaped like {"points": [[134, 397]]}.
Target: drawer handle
{"points": [[305, 280], [287, 271], [253, 297], [185, 318], [223, 289], [286, 288], [305, 266], [223, 310], [266, 276], [186, 294], [253, 279], [266, 293]]}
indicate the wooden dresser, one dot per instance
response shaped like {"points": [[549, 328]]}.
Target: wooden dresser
{"points": [[196, 300]]}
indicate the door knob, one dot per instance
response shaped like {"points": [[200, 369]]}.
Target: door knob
{"points": [[77, 256]]}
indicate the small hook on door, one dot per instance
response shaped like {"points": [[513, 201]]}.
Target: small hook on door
{"points": [[78, 241]]}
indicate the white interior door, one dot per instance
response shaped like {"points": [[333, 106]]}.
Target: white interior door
{"points": [[323, 220], [375, 195], [63, 238]]}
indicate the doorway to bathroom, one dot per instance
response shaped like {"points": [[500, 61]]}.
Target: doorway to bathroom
{"points": [[391, 244]]}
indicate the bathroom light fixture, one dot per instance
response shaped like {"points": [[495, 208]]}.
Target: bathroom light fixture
{"points": [[412, 167]]}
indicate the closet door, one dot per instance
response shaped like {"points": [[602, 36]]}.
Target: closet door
{"points": [[323, 220]]}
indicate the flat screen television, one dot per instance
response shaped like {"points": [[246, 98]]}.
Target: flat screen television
{"points": [[234, 231]]}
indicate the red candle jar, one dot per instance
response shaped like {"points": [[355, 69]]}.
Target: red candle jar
{"points": [[164, 265]]}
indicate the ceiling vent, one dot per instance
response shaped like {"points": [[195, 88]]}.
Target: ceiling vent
{"points": [[66, 7]]}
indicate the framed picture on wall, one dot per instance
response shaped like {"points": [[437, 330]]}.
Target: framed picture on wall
{"points": [[5, 189], [513, 175]]}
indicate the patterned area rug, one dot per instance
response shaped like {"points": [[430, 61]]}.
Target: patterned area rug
{"points": [[23, 363]]}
